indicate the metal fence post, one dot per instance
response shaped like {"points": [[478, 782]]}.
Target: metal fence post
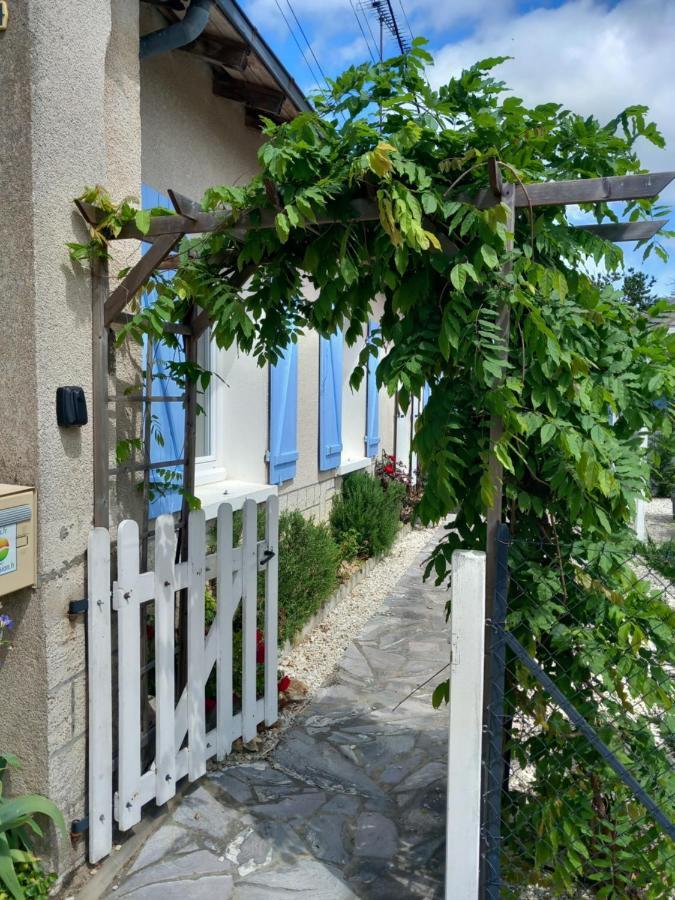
{"points": [[494, 743], [467, 639]]}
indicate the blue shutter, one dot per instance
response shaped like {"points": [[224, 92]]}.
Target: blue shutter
{"points": [[330, 402], [169, 418], [372, 404], [283, 451], [426, 390]]}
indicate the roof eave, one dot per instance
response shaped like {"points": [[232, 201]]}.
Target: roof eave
{"points": [[251, 36]]}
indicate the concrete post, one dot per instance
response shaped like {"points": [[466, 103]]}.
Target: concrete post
{"points": [[467, 638]]}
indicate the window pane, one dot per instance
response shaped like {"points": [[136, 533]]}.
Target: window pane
{"points": [[203, 438]]}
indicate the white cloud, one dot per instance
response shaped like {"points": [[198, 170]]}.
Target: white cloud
{"points": [[594, 57], [586, 54]]}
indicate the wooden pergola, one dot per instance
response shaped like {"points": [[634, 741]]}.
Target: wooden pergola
{"points": [[165, 233]]}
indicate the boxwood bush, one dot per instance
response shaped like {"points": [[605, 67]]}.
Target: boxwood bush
{"points": [[370, 509], [308, 563]]}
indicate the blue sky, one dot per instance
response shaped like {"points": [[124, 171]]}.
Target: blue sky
{"points": [[594, 56]]}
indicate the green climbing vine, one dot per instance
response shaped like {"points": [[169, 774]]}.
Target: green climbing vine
{"points": [[577, 354]]}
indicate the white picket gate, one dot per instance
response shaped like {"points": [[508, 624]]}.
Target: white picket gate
{"points": [[236, 570]]}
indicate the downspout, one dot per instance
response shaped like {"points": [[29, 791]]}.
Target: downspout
{"points": [[179, 34]]}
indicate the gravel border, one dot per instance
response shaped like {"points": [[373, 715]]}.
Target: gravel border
{"points": [[313, 659]]}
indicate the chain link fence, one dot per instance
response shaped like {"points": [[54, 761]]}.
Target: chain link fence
{"points": [[579, 749]]}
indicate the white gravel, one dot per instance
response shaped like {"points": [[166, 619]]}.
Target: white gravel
{"points": [[312, 660], [659, 519]]}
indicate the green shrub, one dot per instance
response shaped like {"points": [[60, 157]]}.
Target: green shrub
{"points": [[370, 510], [661, 459], [33, 881], [308, 561], [660, 557]]}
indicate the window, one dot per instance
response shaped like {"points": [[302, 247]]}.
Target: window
{"points": [[231, 439]]}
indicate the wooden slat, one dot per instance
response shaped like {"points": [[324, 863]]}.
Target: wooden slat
{"points": [[249, 567], [138, 275], [223, 622], [230, 54], [257, 96], [196, 720], [496, 470], [582, 190], [99, 652], [99, 356], [271, 611], [168, 327], [624, 231], [165, 758], [129, 674]]}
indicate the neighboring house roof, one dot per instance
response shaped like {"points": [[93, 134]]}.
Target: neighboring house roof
{"points": [[245, 68]]}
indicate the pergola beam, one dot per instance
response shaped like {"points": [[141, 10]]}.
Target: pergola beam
{"points": [[192, 220], [137, 276], [581, 190], [624, 231]]}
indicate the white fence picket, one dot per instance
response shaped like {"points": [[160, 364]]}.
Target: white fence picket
{"points": [[249, 605], [223, 625], [271, 611], [100, 695], [125, 601], [165, 754], [196, 718], [467, 635], [236, 570]]}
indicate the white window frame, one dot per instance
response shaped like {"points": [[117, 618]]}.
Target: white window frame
{"points": [[211, 468]]}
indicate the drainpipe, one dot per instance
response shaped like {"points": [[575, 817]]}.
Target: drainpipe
{"points": [[179, 34]]}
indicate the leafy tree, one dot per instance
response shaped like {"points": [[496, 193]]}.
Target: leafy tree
{"points": [[637, 288], [577, 351]]}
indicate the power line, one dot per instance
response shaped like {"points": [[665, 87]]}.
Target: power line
{"points": [[405, 16], [297, 43], [375, 42], [358, 20], [311, 50]]}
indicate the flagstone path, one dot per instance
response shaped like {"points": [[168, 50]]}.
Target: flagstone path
{"points": [[350, 804]]}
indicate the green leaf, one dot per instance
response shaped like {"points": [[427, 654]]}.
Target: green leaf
{"points": [[441, 694], [547, 432], [282, 227], [458, 277], [489, 255], [7, 873], [142, 220]]}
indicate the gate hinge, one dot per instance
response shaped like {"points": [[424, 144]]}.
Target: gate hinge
{"points": [[78, 607], [79, 826]]}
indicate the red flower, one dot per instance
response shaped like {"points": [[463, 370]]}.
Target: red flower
{"points": [[260, 647], [209, 704], [150, 632], [389, 469], [284, 684]]}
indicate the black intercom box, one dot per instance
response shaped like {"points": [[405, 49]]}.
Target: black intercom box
{"points": [[71, 407]]}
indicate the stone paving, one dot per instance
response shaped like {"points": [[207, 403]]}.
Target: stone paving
{"points": [[351, 803]]}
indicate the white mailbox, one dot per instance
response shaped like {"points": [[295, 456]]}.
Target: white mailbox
{"points": [[18, 547]]}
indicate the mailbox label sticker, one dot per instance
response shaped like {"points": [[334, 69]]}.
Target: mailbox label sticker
{"points": [[7, 549]]}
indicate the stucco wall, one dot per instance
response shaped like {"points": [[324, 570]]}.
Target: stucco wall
{"points": [[68, 127], [192, 139]]}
